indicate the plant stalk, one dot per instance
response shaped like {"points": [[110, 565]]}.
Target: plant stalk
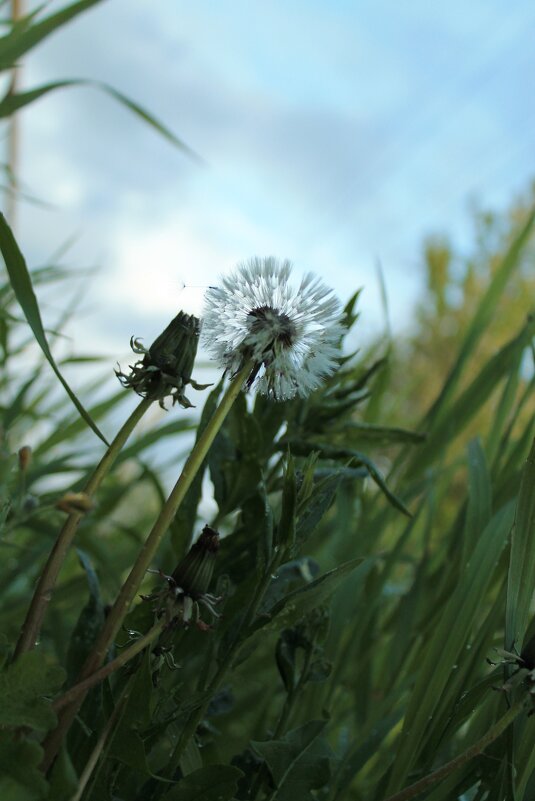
{"points": [[132, 584], [475, 750], [47, 581], [196, 716], [110, 667]]}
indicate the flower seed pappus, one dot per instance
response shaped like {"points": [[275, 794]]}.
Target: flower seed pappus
{"points": [[290, 333]]}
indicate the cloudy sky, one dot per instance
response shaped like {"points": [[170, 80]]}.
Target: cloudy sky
{"points": [[334, 133]]}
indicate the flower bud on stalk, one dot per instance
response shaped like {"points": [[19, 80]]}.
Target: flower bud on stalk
{"points": [[194, 573], [187, 589], [166, 367], [25, 458]]}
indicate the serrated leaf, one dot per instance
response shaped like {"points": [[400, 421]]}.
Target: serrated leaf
{"points": [[298, 763], [20, 777], [22, 687]]}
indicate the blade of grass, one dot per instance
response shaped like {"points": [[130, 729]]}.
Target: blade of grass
{"points": [[482, 317], [447, 642], [23, 289], [521, 579]]}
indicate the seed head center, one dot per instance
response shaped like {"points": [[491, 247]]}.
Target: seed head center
{"points": [[266, 321]]}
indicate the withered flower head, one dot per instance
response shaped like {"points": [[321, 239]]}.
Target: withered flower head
{"points": [[166, 367], [187, 587]]}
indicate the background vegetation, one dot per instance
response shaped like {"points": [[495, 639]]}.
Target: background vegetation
{"points": [[369, 565]]}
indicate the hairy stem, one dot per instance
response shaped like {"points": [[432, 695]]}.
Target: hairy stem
{"points": [[47, 581], [133, 582]]}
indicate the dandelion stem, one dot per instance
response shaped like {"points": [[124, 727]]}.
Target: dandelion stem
{"points": [[110, 667], [196, 716], [133, 582], [438, 775], [47, 581]]}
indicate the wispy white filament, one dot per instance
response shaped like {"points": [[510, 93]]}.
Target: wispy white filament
{"points": [[291, 332]]}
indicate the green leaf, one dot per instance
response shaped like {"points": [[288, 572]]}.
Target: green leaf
{"points": [[286, 527], [521, 579], [22, 687], [24, 37], [211, 783], [89, 624], [448, 641], [293, 606], [380, 435], [13, 102], [23, 289], [483, 316], [298, 763], [20, 777], [127, 744], [479, 496], [315, 507], [458, 414], [302, 448]]}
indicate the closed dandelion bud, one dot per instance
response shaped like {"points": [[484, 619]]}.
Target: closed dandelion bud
{"points": [[73, 502], [25, 458], [166, 367], [194, 573]]}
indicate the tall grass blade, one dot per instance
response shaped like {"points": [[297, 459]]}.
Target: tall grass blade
{"points": [[23, 289]]}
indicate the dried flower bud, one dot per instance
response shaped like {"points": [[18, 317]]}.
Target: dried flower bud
{"points": [[194, 573], [166, 366], [73, 502], [25, 458]]}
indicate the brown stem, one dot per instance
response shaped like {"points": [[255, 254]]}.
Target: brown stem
{"points": [[47, 581], [133, 582]]}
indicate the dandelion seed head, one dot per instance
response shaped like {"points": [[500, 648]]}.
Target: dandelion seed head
{"points": [[290, 332]]}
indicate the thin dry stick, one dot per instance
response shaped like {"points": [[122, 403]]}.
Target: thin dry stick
{"points": [[17, 11], [110, 667], [132, 584], [475, 750], [104, 737], [47, 581]]}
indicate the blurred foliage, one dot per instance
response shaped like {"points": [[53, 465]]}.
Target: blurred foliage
{"points": [[368, 566]]}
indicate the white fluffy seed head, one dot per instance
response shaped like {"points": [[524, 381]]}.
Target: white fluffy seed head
{"points": [[292, 333]]}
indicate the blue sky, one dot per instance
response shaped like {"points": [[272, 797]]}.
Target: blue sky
{"points": [[336, 134]]}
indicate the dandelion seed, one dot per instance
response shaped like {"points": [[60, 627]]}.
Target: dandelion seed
{"points": [[291, 333]]}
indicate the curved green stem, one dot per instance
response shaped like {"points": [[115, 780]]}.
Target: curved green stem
{"points": [[47, 581], [441, 773], [73, 693], [133, 582]]}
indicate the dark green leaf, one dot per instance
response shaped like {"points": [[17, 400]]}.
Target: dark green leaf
{"points": [[22, 687], [296, 604], [298, 763], [20, 777], [211, 783], [521, 581]]}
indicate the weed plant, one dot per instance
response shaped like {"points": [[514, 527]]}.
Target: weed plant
{"points": [[326, 633]]}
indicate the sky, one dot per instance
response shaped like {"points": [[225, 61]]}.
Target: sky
{"points": [[336, 134]]}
